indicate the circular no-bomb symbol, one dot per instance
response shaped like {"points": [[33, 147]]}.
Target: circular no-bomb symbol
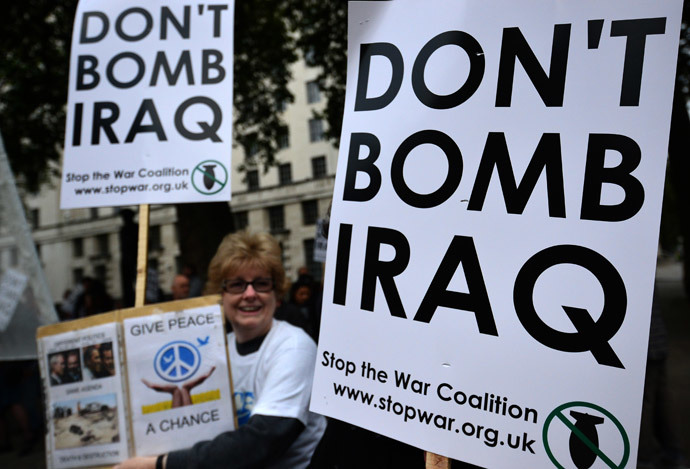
{"points": [[177, 361], [209, 177], [591, 335], [589, 434]]}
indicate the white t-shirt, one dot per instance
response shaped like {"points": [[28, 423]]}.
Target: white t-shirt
{"points": [[276, 381]]}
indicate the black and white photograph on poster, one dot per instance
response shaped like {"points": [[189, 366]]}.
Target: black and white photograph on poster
{"points": [[86, 422], [64, 367], [178, 376], [150, 92], [495, 223], [85, 404]]}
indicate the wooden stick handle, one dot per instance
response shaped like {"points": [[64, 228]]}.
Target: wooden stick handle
{"points": [[142, 255], [435, 461]]}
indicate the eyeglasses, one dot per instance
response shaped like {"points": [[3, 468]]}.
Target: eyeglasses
{"points": [[237, 285]]}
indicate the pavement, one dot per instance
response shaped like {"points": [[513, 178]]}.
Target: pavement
{"points": [[675, 309]]}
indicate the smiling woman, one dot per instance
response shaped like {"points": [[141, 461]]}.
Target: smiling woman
{"points": [[272, 368]]}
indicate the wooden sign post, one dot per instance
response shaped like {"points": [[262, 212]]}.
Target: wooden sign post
{"points": [[435, 461], [142, 256]]}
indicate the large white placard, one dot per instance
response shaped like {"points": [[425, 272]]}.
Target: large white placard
{"points": [[178, 378], [494, 227], [149, 117]]}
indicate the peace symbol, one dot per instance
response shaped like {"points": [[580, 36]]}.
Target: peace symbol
{"points": [[177, 361]]}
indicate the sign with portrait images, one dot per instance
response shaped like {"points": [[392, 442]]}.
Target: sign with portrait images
{"points": [[85, 404], [178, 376], [149, 112], [493, 235]]}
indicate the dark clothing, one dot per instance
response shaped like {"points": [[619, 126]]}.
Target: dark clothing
{"points": [[254, 445], [292, 314]]}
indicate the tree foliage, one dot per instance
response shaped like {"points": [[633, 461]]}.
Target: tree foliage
{"points": [[321, 31], [33, 84]]}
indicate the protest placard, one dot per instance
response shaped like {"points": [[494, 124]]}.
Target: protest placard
{"points": [[135, 382], [85, 404], [494, 228], [149, 113], [178, 374]]}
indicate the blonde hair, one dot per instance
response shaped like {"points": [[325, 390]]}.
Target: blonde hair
{"points": [[241, 250]]}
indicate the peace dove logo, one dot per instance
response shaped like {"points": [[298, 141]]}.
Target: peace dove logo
{"points": [[177, 361]]}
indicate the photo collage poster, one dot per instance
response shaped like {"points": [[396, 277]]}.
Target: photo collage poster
{"points": [[83, 383]]}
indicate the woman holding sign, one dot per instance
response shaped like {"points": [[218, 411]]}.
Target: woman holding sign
{"points": [[272, 368]]}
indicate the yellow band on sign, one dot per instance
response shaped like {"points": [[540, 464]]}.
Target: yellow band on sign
{"points": [[207, 396], [157, 407]]}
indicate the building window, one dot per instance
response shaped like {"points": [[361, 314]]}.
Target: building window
{"points": [[101, 272], [94, 213], [34, 218], [310, 212], [252, 146], [276, 218], [285, 173], [155, 238], [310, 56], [253, 179], [315, 130], [77, 276], [14, 257], [313, 266], [77, 247], [103, 245], [313, 92], [283, 138], [318, 167], [241, 220]]}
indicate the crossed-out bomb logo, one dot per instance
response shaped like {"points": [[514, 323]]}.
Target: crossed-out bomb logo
{"points": [[177, 361], [580, 435], [209, 177]]}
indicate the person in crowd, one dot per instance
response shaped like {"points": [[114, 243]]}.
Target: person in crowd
{"points": [[93, 300], [129, 243], [180, 287], [659, 445], [196, 285], [19, 405], [299, 309], [106, 351], [57, 369], [73, 374], [272, 367], [93, 363]]}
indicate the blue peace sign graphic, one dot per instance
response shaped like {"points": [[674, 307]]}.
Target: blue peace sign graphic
{"points": [[177, 361]]}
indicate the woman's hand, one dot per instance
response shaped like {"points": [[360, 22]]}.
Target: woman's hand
{"points": [[148, 462]]}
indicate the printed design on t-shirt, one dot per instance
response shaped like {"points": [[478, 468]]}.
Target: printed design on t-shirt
{"points": [[244, 403]]}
